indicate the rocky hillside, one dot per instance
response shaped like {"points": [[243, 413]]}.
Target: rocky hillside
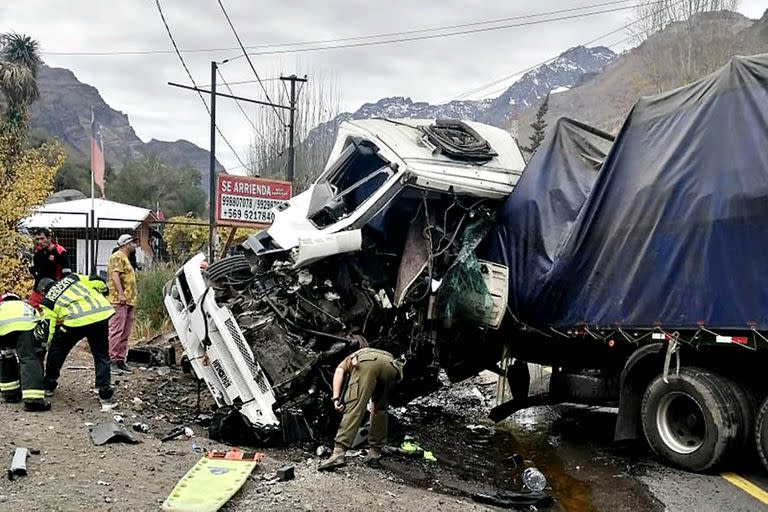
{"points": [[570, 69], [605, 99], [567, 71], [591, 84], [64, 112]]}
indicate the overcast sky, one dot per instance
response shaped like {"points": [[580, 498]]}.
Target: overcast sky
{"points": [[426, 70]]}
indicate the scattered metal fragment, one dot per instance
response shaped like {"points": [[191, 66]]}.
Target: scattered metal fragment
{"points": [[19, 463], [110, 432], [285, 473]]}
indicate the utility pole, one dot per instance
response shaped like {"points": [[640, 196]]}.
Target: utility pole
{"points": [[289, 173], [212, 178], [212, 172]]}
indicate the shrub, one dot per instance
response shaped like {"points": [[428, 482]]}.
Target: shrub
{"points": [[151, 317]]}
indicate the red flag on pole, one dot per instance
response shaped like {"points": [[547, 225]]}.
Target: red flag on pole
{"points": [[97, 155]]}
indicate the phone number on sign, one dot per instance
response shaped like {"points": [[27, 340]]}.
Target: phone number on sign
{"points": [[263, 216]]}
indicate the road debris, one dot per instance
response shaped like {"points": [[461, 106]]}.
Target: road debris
{"points": [[285, 473], [109, 433], [505, 499], [534, 480], [178, 432], [141, 427], [18, 463]]}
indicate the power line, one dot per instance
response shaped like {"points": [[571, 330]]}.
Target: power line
{"points": [[191, 79], [436, 36], [531, 68], [240, 82], [256, 130], [440, 28], [336, 40], [250, 63]]}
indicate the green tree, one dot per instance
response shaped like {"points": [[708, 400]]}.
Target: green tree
{"points": [[75, 174], [150, 181], [539, 127], [27, 173], [19, 60]]}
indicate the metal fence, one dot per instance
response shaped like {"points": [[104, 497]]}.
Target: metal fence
{"points": [[90, 247]]}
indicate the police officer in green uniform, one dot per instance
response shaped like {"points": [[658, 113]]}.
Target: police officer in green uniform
{"points": [[76, 308], [372, 376], [21, 379]]}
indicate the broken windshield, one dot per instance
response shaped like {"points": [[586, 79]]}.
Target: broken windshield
{"points": [[358, 174]]}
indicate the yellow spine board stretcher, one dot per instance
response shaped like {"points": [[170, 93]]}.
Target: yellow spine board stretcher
{"points": [[212, 481]]}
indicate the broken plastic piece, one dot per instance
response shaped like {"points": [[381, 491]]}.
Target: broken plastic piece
{"points": [[513, 499], [534, 480], [141, 427], [110, 432]]}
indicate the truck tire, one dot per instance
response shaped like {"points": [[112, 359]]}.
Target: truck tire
{"points": [[694, 421], [761, 432], [748, 407], [234, 268]]}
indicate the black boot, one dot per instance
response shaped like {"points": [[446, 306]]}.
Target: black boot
{"points": [[13, 397], [37, 405]]}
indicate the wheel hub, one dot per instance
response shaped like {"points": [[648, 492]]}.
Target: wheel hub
{"points": [[680, 422]]}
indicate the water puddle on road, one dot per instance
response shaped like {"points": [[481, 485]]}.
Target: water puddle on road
{"points": [[480, 458]]}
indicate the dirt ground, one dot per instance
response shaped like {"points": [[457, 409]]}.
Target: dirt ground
{"points": [[70, 473]]}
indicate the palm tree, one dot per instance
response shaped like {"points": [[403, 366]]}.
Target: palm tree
{"points": [[19, 60]]}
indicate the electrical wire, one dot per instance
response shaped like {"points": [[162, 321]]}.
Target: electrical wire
{"points": [[191, 79], [247, 117], [531, 68], [250, 63], [436, 36], [337, 40]]}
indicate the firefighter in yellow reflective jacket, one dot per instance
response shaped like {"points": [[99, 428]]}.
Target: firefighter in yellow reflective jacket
{"points": [[22, 378], [75, 308]]}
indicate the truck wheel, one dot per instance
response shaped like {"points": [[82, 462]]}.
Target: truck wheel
{"points": [[761, 432], [694, 421], [231, 269], [748, 407]]}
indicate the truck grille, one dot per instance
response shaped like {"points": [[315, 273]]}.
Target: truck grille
{"points": [[256, 372]]}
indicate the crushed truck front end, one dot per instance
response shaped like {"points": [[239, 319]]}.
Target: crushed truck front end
{"points": [[379, 251]]}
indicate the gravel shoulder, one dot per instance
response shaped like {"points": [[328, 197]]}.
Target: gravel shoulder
{"points": [[70, 473]]}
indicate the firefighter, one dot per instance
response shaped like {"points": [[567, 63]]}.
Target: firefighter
{"points": [[76, 308], [372, 376], [50, 260], [21, 355]]}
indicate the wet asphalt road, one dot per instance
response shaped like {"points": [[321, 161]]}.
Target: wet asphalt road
{"points": [[588, 471]]}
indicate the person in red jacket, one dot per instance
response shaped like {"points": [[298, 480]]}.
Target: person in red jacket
{"points": [[50, 261]]}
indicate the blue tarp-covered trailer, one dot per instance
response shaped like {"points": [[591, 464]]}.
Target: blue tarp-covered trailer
{"points": [[670, 232]]}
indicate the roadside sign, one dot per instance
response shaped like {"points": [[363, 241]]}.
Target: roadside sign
{"points": [[245, 201]]}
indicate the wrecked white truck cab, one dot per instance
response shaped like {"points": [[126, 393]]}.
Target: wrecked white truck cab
{"points": [[379, 251]]}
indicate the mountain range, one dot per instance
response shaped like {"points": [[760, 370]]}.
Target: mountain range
{"points": [[592, 84], [64, 112]]}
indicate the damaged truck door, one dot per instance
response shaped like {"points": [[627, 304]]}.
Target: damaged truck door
{"points": [[379, 251]]}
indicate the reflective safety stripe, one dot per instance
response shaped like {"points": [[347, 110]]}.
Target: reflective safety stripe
{"points": [[16, 316], [22, 320], [32, 394], [77, 305], [82, 314], [77, 308], [10, 386]]}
